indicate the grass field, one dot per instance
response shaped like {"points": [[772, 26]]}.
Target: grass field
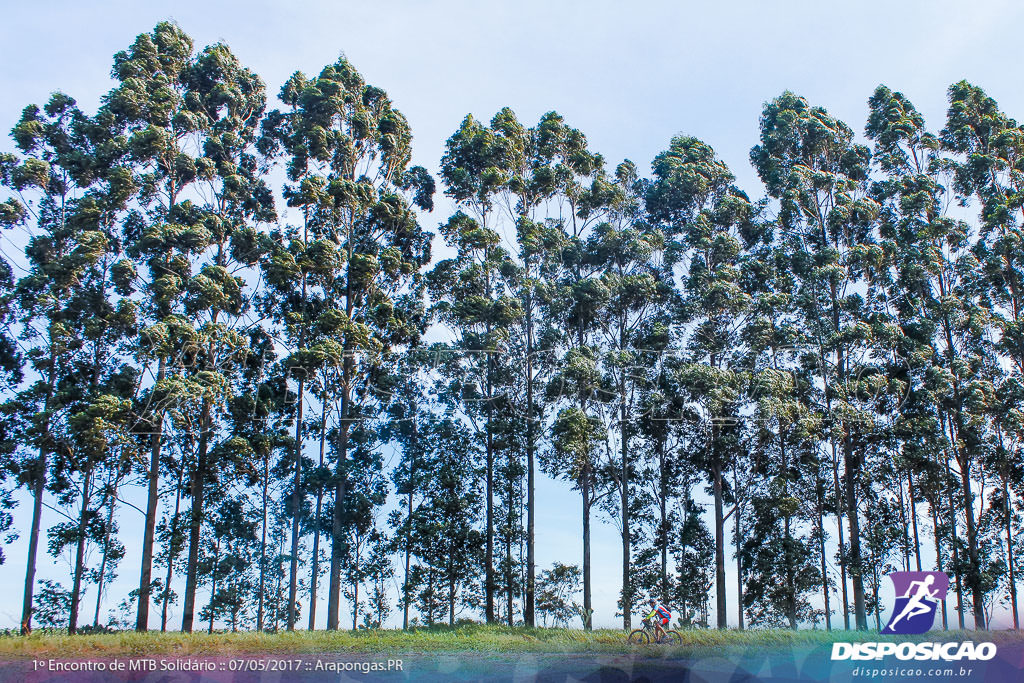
{"points": [[473, 638]]}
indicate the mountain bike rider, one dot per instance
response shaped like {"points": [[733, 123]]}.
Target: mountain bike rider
{"points": [[663, 617]]}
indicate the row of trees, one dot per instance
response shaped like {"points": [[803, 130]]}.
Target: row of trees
{"points": [[835, 371]]}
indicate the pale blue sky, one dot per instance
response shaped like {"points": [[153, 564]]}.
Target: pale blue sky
{"points": [[629, 75]]}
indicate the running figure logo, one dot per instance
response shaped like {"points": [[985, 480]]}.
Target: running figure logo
{"points": [[917, 596]]}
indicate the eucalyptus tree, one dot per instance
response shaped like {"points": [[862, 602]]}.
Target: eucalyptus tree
{"points": [[572, 297], [786, 423], [232, 99], [693, 551], [103, 316], [705, 215], [147, 108], [411, 392], [911, 197], [1008, 467], [95, 313], [810, 164], [784, 556], [219, 106], [258, 411], [303, 268], [628, 251], [471, 299], [927, 244], [444, 531], [190, 122], [367, 493], [13, 216], [881, 544], [51, 183], [293, 261], [527, 181], [944, 313], [229, 541], [287, 262], [987, 146], [347, 138], [665, 432]]}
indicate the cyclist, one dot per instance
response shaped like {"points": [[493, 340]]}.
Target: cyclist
{"points": [[663, 617]]}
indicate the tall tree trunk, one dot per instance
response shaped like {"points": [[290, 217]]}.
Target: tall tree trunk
{"points": [[787, 539], [76, 585], [106, 552], [820, 491], [663, 532], [509, 570], [213, 582], [170, 547], [1008, 512], [33, 543], [196, 520], [338, 516], [851, 470], [904, 523], [933, 505], [878, 616], [355, 592], [959, 447], [974, 575], [263, 544], [293, 563], [739, 556], [430, 601], [414, 448], [341, 474], [529, 611], [837, 490], [451, 597], [627, 579], [314, 574], [956, 561], [588, 614], [280, 576], [152, 501], [853, 517], [716, 477], [38, 488], [489, 494], [913, 519]]}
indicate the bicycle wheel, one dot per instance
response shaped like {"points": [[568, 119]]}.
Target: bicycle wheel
{"points": [[672, 638], [639, 637]]}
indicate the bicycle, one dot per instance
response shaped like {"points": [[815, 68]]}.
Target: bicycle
{"points": [[647, 635]]}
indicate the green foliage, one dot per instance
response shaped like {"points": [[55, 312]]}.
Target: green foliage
{"points": [[838, 364], [555, 588]]}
